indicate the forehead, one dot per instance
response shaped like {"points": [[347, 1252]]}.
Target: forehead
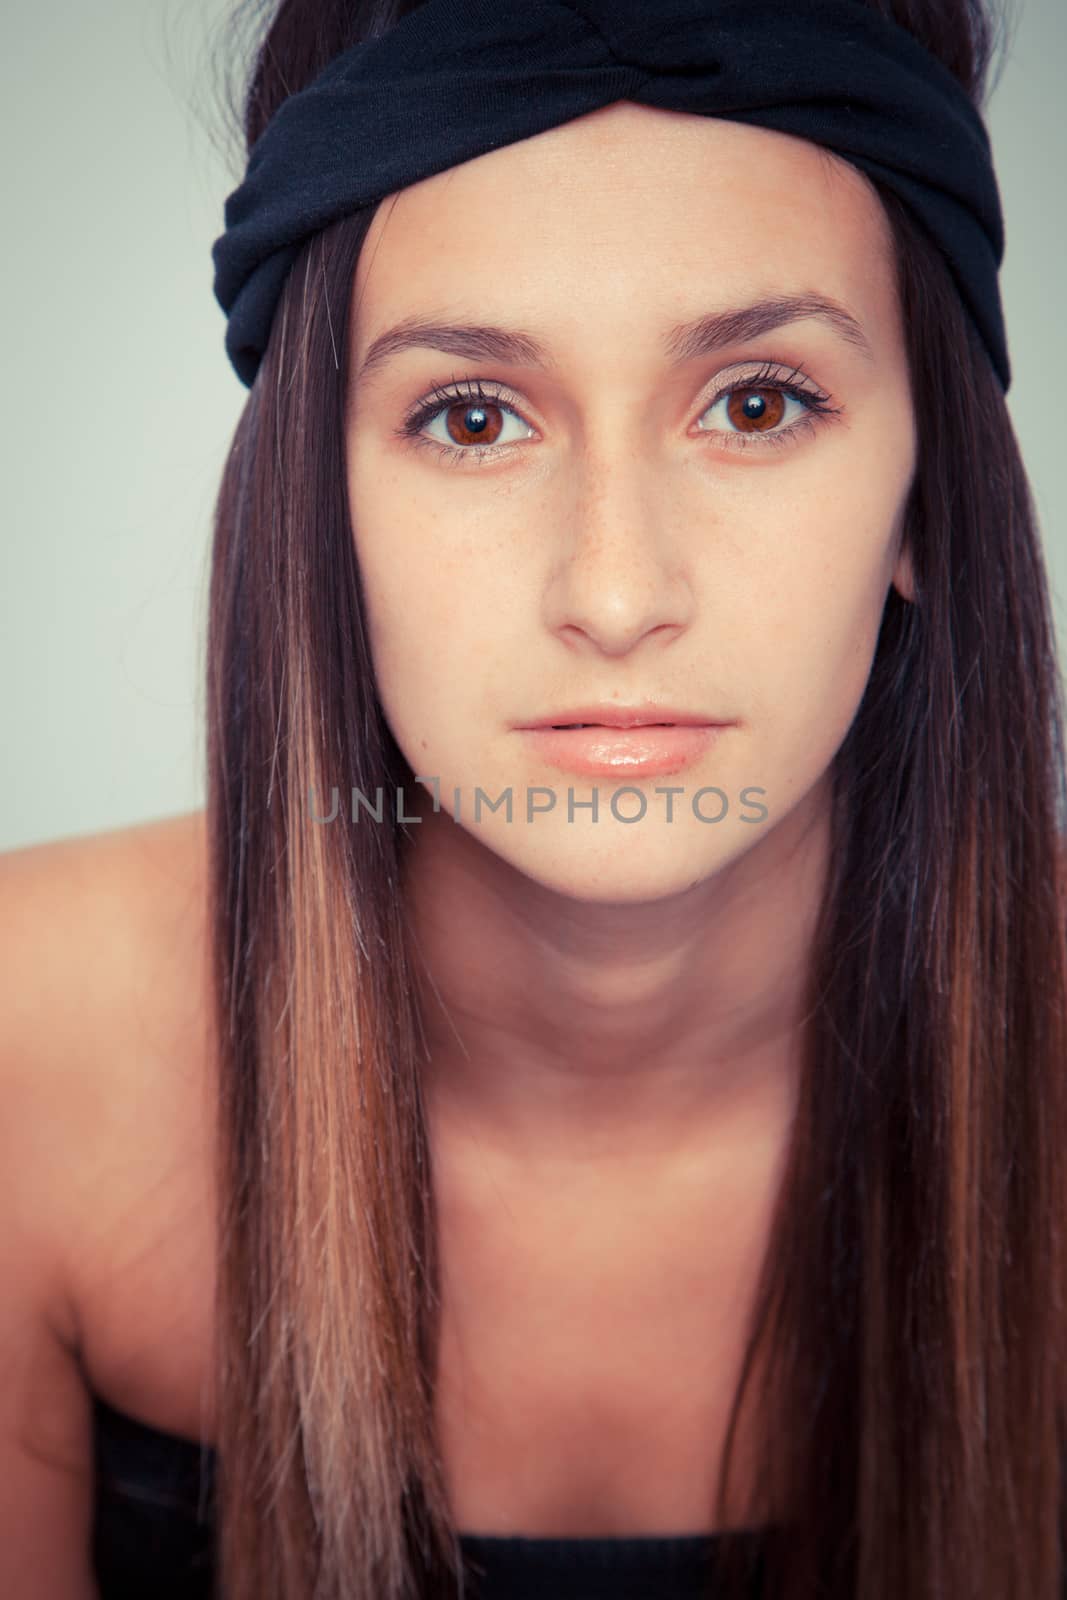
{"points": [[629, 206]]}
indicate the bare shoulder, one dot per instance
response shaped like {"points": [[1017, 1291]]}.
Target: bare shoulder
{"points": [[82, 916], [102, 946], [106, 1066]]}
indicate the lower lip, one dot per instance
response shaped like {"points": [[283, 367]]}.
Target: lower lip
{"points": [[649, 752]]}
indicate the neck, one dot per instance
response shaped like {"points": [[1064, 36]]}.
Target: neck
{"points": [[559, 1028]]}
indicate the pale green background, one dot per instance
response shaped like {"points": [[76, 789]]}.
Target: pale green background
{"points": [[118, 402]]}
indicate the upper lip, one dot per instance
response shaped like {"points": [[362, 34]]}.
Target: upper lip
{"points": [[619, 716]]}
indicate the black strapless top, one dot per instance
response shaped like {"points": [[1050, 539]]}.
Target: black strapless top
{"points": [[152, 1536]]}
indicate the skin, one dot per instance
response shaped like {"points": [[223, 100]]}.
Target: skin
{"points": [[611, 1000]]}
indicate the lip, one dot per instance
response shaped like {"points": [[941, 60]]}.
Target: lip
{"points": [[647, 714], [612, 751]]}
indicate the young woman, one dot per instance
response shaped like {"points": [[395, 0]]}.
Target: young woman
{"points": [[592, 1082]]}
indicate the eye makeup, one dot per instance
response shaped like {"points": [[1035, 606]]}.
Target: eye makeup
{"points": [[758, 396]]}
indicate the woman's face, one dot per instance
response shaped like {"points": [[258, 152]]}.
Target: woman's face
{"points": [[651, 519]]}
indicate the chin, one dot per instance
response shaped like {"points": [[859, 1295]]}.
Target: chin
{"points": [[634, 869]]}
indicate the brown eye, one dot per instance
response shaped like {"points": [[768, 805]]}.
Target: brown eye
{"points": [[766, 410], [473, 424], [471, 418], [755, 410]]}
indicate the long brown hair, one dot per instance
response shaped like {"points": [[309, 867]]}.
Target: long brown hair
{"points": [[909, 1331]]}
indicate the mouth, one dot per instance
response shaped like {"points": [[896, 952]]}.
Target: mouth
{"points": [[623, 747]]}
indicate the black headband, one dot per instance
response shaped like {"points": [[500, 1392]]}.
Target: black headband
{"points": [[456, 78]]}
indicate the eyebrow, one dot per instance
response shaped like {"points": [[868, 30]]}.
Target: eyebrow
{"points": [[684, 342]]}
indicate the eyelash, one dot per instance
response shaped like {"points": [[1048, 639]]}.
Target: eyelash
{"points": [[818, 409]]}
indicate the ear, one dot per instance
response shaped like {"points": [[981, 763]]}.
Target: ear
{"points": [[903, 572], [903, 576]]}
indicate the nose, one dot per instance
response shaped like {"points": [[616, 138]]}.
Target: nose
{"points": [[620, 573]]}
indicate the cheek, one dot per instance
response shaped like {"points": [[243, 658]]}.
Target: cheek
{"points": [[438, 591], [826, 549], [435, 646], [406, 595], [817, 616], [416, 629]]}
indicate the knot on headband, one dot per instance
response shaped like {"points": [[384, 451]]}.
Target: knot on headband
{"points": [[655, 40], [457, 78]]}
